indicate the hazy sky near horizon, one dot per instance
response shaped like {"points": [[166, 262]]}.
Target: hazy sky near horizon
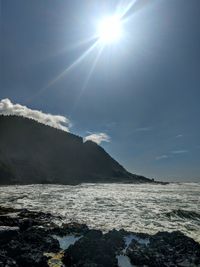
{"points": [[142, 91]]}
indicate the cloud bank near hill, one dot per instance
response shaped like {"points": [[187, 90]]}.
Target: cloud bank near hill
{"points": [[97, 138], [56, 121]]}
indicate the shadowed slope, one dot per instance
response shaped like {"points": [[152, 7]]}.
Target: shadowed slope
{"points": [[31, 152]]}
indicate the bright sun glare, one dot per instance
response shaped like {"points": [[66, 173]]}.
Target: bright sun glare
{"points": [[110, 29]]}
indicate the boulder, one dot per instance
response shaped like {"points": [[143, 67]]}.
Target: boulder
{"points": [[92, 250], [7, 233], [165, 249]]}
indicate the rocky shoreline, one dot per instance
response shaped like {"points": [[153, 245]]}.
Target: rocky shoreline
{"points": [[33, 239]]}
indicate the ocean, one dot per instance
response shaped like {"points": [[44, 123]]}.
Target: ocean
{"points": [[144, 208]]}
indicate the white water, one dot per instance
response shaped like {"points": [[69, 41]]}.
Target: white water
{"points": [[138, 208], [123, 260], [66, 241], [129, 238]]}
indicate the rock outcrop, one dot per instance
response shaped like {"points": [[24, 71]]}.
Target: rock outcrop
{"points": [[42, 243]]}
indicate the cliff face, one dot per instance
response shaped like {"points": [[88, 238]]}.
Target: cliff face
{"points": [[31, 152]]}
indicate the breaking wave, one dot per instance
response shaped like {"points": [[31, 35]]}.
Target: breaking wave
{"points": [[183, 214]]}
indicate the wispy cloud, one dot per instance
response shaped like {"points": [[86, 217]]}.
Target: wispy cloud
{"points": [[97, 138], [179, 151], [162, 157], [179, 135], [171, 154], [56, 121], [143, 129]]}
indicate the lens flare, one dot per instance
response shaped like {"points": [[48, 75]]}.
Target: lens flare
{"points": [[110, 29]]}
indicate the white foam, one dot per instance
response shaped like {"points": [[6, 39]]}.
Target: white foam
{"points": [[8, 228], [123, 261], [142, 241], [66, 240], [129, 238]]}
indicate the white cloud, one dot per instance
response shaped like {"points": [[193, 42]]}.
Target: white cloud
{"points": [[162, 157], [97, 138], [56, 121], [179, 136], [179, 151], [174, 152]]}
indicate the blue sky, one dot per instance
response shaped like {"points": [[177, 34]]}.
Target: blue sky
{"points": [[143, 92]]}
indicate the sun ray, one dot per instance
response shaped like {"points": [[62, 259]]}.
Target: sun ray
{"points": [[88, 76], [74, 64], [68, 69], [93, 67], [81, 43], [133, 7], [122, 10]]}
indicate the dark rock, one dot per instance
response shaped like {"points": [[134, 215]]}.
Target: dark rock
{"points": [[25, 219], [28, 248], [70, 228], [6, 210], [33, 258], [115, 239], [5, 261], [26, 223], [8, 233], [94, 249], [165, 249], [8, 221], [25, 237], [30, 243]]}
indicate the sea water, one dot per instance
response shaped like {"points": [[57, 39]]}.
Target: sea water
{"points": [[143, 208]]}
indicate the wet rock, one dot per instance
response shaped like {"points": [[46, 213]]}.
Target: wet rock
{"points": [[28, 248], [7, 210], [26, 223], [16, 221], [165, 249], [7, 233], [33, 259], [115, 239], [25, 219], [5, 261], [27, 239], [55, 259], [90, 265], [94, 249], [38, 218], [8, 221], [70, 228]]}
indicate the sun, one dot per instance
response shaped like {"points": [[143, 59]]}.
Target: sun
{"points": [[110, 30]]}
